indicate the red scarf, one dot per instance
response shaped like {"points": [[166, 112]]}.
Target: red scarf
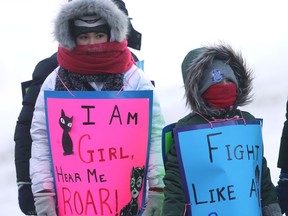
{"points": [[110, 57], [221, 96]]}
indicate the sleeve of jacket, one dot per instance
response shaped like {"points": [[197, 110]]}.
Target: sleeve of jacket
{"points": [[40, 162], [268, 191], [156, 167], [174, 201], [22, 136], [140, 81], [283, 150]]}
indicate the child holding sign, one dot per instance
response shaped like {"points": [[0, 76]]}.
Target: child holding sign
{"points": [[217, 81], [22, 135], [92, 56]]}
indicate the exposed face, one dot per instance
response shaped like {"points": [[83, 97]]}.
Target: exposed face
{"points": [[91, 38], [226, 81]]}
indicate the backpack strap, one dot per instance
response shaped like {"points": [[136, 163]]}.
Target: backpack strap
{"points": [[167, 140]]}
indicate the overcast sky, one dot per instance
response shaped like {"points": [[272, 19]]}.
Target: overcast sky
{"points": [[170, 29]]}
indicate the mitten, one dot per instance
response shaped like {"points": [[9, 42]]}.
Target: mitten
{"points": [[155, 202], [25, 198], [45, 204], [272, 209], [282, 192]]}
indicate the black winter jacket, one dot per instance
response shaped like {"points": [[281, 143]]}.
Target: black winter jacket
{"points": [[283, 151], [22, 136]]}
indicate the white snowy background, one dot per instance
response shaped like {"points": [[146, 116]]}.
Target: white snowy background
{"points": [[170, 29]]}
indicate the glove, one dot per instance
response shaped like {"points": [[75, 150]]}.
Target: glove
{"points": [[26, 199], [155, 202], [45, 204], [272, 209], [282, 192]]}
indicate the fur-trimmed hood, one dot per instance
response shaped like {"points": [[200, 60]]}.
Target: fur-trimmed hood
{"points": [[116, 19], [195, 63]]}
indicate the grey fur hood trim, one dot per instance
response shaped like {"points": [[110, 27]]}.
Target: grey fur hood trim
{"points": [[116, 19], [194, 68]]}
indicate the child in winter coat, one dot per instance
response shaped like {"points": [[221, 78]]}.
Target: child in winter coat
{"points": [[22, 135], [92, 55], [282, 187], [211, 99]]}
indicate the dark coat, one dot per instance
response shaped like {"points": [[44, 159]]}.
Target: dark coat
{"points": [[283, 151], [22, 136]]}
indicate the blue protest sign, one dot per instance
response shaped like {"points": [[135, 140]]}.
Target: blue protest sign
{"points": [[221, 167]]}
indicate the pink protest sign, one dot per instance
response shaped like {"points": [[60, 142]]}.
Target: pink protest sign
{"points": [[99, 144]]}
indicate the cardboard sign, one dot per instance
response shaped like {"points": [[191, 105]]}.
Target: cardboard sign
{"points": [[221, 167], [100, 150]]}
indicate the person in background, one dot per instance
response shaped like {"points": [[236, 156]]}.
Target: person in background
{"points": [[216, 82], [93, 34], [22, 137], [282, 187]]}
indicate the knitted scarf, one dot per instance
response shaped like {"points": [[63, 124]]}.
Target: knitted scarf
{"points": [[104, 63]]}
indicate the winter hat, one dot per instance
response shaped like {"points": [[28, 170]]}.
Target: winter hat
{"points": [[215, 73], [200, 62], [87, 24], [116, 19]]}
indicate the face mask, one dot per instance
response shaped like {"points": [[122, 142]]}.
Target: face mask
{"points": [[221, 96]]}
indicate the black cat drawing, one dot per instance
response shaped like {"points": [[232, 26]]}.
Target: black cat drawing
{"points": [[66, 124], [136, 182]]}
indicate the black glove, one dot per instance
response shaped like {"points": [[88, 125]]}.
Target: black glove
{"points": [[282, 192], [25, 199]]}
